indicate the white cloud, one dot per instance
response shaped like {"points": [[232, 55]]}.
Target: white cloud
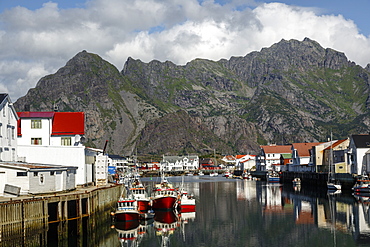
{"points": [[36, 43]]}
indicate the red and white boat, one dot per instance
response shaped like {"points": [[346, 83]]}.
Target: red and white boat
{"points": [[127, 209], [164, 195], [186, 202], [140, 194]]}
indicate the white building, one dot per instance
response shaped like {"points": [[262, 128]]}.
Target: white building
{"points": [[245, 162], [359, 145], [172, 163], [22, 179], [55, 138], [8, 129]]}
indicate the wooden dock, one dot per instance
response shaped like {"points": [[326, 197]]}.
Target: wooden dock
{"points": [[21, 216]]}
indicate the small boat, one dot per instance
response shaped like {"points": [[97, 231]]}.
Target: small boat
{"points": [[362, 185], [332, 183], [200, 173], [186, 202], [189, 174], [273, 177], [164, 195], [213, 174], [296, 181], [227, 174], [246, 175]]}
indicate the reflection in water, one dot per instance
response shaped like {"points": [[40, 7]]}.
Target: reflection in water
{"points": [[229, 212]]}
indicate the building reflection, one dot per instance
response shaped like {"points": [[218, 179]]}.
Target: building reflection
{"points": [[345, 213]]}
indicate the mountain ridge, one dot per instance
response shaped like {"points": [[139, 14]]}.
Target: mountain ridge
{"points": [[293, 91]]}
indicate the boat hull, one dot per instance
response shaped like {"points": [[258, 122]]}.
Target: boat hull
{"points": [[187, 208], [127, 216], [334, 186], [361, 189], [166, 202], [143, 205], [274, 179]]}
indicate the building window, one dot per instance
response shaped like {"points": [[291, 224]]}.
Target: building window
{"points": [[36, 124], [21, 174], [35, 174], [52, 173], [36, 141], [66, 141], [13, 133]]}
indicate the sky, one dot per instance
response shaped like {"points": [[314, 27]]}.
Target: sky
{"points": [[38, 37]]}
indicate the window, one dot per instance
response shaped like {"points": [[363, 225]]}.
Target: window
{"points": [[66, 141], [52, 173], [36, 124], [21, 174], [36, 141], [35, 174]]}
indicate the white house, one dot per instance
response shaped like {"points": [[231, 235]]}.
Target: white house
{"points": [[171, 163], [8, 129], [357, 148], [269, 158], [21, 178], [245, 162], [55, 138]]}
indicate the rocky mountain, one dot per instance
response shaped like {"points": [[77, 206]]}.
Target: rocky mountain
{"points": [[293, 91]]}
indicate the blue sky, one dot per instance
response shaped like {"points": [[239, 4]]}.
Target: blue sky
{"points": [[38, 37]]}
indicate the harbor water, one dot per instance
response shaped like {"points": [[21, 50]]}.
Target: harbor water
{"points": [[229, 212]]}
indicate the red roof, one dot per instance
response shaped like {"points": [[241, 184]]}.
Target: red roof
{"points": [[64, 123], [303, 149], [277, 149], [68, 123]]}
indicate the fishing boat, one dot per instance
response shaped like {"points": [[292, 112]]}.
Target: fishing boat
{"points": [[140, 194], [164, 195], [332, 183], [186, 202], [126, 209], [362, 185]]}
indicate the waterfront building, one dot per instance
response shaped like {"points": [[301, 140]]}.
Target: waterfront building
{"points": [[357, 148], [337, 149], [173, 163], [8, 129], [301, 157], [25, 178], [245, 161], [55, 138], [269, 158]]}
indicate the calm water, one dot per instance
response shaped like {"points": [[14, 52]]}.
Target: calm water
{"points": [[236, 213]]}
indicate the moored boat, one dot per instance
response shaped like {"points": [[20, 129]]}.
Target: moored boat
{"points": [[273, 177], [140, 194], [362, 185], [164, 195], [126, 210], [332, 184], [213, 174]]}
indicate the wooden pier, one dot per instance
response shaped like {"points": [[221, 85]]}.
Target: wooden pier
{"points": [[22, 216]]}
